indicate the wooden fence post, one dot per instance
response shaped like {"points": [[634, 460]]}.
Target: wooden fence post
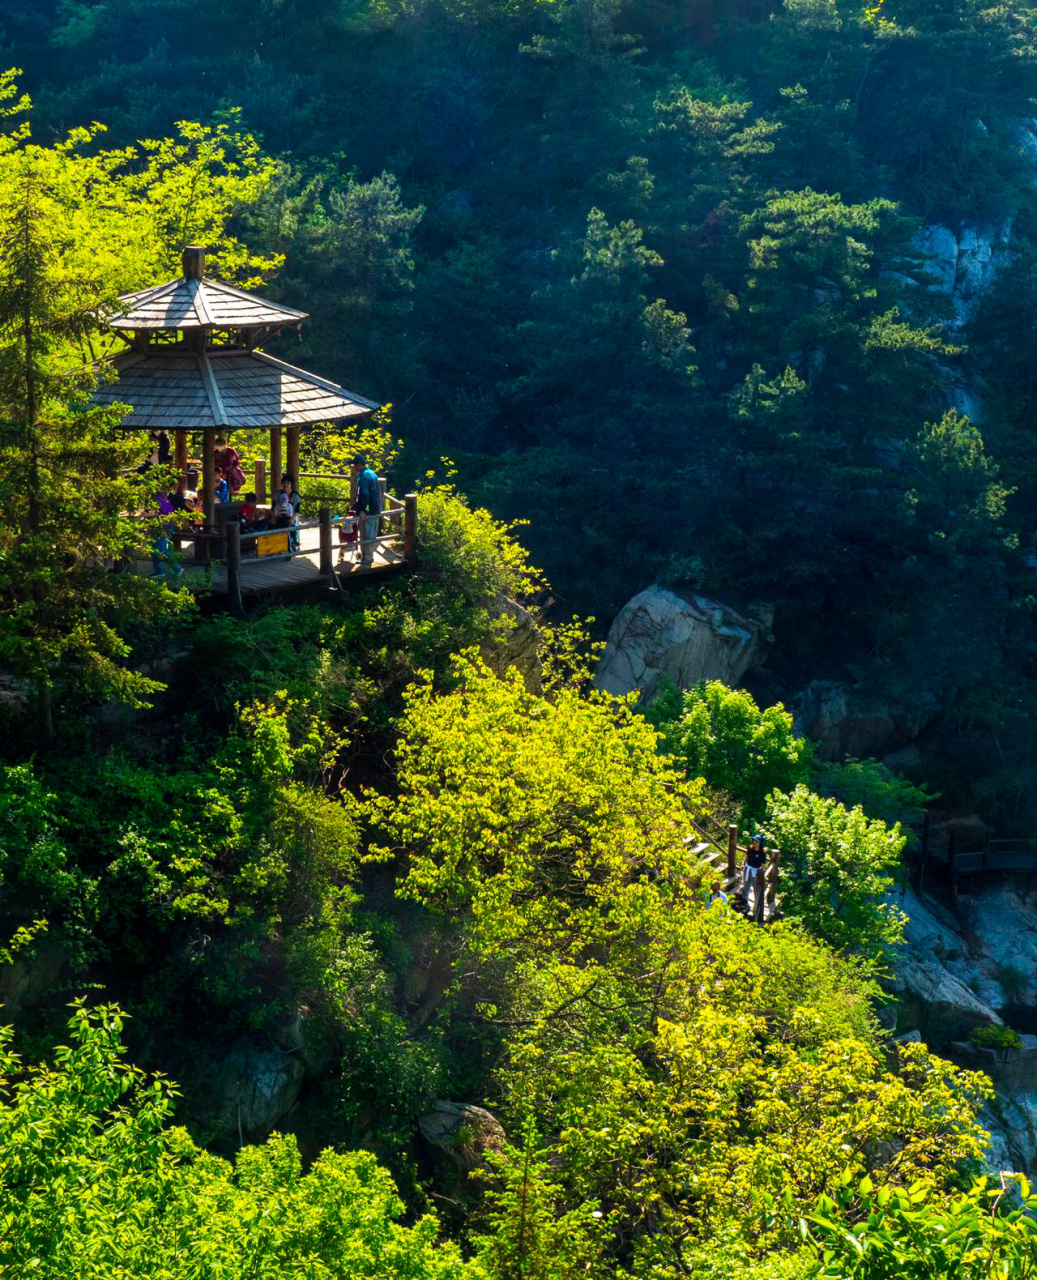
{"points": [[772, 888], [292, 448], [326, 568], [410, 526], [234, 567], [209, 475]]}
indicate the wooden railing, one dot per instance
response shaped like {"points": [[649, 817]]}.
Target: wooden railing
{"points": [[725, 838], [1012, 855], [403, 516]]}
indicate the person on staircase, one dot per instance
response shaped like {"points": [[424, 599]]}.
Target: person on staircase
{"points": [[753, 875], [716, 894]]}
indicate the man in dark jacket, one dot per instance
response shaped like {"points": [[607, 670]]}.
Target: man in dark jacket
{"points": [[368, 506]]}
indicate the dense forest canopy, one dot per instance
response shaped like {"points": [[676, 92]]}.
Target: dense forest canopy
{"points": [[667, 283], [656, 278]]}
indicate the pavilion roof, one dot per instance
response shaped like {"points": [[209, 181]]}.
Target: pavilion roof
{"points": [[178, 389], [188, 303]]}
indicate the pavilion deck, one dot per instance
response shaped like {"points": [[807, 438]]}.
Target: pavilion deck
{"points": [[229, 564]]}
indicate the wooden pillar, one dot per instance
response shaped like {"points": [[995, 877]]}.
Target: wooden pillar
{"points": [[275, 461], [180, 452], [410, 526], [234, 567], [326, 569], [732, 850], [209, 474], [260, 481], [292, 441]]}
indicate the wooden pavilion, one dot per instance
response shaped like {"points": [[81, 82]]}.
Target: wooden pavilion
{"points": [[193, 365]]}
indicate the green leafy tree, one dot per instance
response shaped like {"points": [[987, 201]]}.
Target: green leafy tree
{"points": [[539, 822], [594, 323], [837, 866], [77, 225], [94, 1184], [530, 1233], [721, 735], [729, 1063]]}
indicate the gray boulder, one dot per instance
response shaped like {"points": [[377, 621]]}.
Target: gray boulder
{"points": [[940, 999], [518, 645], [1011, 1121], [464, 1133], [683, 636]]}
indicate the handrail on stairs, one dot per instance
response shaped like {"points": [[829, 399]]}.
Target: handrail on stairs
{"points": [[729, 845]]}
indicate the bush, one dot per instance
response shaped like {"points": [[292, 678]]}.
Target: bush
{"points": [[94, 1184], [995, 1038], [469, 551]]}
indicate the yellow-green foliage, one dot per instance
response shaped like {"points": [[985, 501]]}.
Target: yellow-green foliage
{"points": [[548, 823], [733, 1063], [78, 225], [680, 1062], [470, 551], [865, 1232]]}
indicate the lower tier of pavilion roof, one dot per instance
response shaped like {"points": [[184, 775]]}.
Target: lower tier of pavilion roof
{"points": [[223, 388]]}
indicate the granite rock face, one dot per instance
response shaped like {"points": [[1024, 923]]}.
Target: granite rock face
{"points": [[257, 1089], [683, 636], [840, 721], [954, 973], [963, 264]]}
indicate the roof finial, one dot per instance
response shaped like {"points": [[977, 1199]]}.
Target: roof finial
{"points": [[193, 259]]}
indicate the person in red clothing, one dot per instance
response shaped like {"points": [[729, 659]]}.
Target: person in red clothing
{"points": [[228, 462]]}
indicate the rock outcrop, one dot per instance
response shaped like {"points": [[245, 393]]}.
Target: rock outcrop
{"points": [[841, 721], [31, 974], [683, 636], [954, 974], [462, 1132], [938, 1001], [963, 265], [519, 644], [1011, 1121]]}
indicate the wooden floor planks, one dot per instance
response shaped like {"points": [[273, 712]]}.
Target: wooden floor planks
{"points": [[269, 574]]}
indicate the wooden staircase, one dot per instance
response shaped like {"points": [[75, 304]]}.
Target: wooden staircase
{"points": [[717, 849]]}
